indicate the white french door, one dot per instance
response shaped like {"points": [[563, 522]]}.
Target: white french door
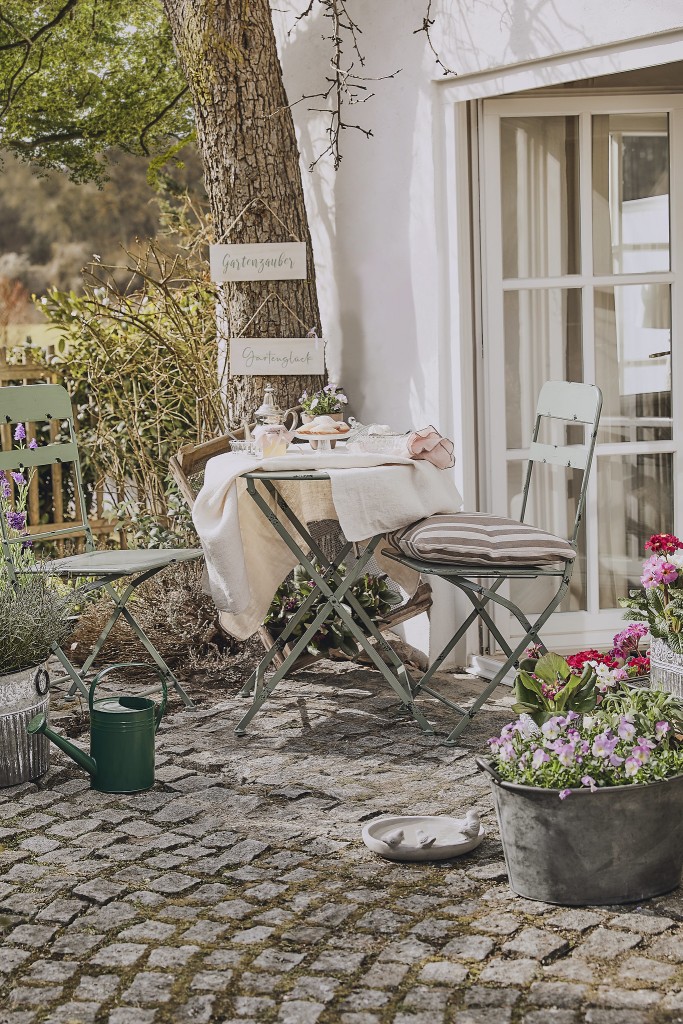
{"points": [[582, 237]]}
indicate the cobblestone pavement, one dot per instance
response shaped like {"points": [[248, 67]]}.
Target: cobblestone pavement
{"points": [[238, 889]]}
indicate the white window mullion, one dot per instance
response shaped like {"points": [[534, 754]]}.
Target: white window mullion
{"points": [[676, 234]]}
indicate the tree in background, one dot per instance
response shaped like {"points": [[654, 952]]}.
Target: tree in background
{"points": [[80, 76]]}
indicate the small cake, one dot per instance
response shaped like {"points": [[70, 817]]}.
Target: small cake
{"points": [[325, 425]]}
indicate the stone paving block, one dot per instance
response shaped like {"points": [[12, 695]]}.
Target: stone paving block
{"points": [[74, 1013], [172, 882], [598, 1015], [298, 1011], [575, 920], [443, 972], [482, 1015], [212, 981], [549, 1015], [279, 960], [197, 1010], [621, 998], [556, 993], [365, 999], [97, 987], [149, 987], [99, 890], [419, 1017], [604, 944], [304, 934], [356, 1018], [33, 935], [509, 972], [171, 956], [434, 928], [338, 963], [51, 970], [468, 947], [497, 924], [672, 1001], [571, 968], [427, 998], [536, 943], [104, 919], [385, 975], [317, 988], [75, 945], [236, 909], [642, 968], [668, 947], [252, 935], [126, 1015], [244, 852], [119, 954], [25, 996], [16, 1016], [648, 924], [11, 959], [210, 894], [62, 911], [155, 931], [479, 995], [253, 1005]]}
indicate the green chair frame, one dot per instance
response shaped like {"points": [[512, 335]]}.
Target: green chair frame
{"points": [[39, 403], [558, 400]]}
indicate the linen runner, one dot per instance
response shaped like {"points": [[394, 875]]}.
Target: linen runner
{"points": [[369, 494]]}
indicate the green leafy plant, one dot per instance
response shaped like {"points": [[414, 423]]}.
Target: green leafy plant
{"points": [[660, 602], [35, 613], [324, 403], [372, 593], [546, 686]]}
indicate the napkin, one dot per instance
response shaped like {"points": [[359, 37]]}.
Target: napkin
{"points": [[427, 443]]}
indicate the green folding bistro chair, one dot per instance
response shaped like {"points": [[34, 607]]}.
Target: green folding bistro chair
{"points": [[38, 403], [466, 549]]}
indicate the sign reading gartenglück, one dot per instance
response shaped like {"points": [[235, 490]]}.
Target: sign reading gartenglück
{"points": [[262, 261], [268, 356]]}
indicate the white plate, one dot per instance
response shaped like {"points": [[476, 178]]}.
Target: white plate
{"points": [[322, 437], [449, 842]]}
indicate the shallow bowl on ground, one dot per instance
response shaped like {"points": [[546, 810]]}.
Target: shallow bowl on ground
{"points": [[448, 838]]}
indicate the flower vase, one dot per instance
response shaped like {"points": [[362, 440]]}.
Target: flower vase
{"points": [[307, 418], [666, 668], [23, 694]]}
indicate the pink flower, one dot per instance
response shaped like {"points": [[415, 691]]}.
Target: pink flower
{"points": [[564, 793], [539, 758], [588, 780], [666, 573], [640, 754], [506, 752], [615, 760], [649, 578], [661, 729], [603, 745], [631, 767], [565, 754], [627, 729]]}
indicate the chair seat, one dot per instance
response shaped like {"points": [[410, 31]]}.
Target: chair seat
{"points": [[477, 538], [119, 563]]}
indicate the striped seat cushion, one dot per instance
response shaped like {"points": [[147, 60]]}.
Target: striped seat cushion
{"points": [[476, 538]]}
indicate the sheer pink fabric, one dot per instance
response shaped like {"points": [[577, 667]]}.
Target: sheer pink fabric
{"points": [[428, 444]]}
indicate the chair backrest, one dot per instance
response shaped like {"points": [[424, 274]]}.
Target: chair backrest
{"points": [[41, 403], [572, 403]]}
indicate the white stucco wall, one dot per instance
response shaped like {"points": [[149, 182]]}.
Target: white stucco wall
{"points": [[384, 254]]}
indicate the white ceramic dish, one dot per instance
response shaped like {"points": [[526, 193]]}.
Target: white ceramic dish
{"points": [[449, 840], [321, 437]]}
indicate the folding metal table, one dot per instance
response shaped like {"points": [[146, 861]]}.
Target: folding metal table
{"points": [[340, 600]]}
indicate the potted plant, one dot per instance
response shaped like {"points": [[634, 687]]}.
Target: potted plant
{"points": [[328, 402], [548, 685], [590, 807], [660, 604], [36, 611]]}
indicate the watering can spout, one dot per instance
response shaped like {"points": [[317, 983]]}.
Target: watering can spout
{"points": [[39, 724]]}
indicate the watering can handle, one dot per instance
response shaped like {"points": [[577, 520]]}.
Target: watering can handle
{"points": [[133, 664]]}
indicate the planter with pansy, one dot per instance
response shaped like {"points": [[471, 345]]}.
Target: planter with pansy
{"points": [[659, 605], [590, 805]]}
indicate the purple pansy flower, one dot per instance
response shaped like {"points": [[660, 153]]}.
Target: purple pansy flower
{"points": [[588, 780], [603, 745], [631, 767], [564, 793], [540, 757], [627, 729], [661, 729]]}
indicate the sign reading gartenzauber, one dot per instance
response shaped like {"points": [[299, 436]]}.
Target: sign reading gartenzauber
{"points": [[268, 356], [263, 261]]}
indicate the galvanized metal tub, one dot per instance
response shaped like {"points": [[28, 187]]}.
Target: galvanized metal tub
{"points": [[620, 844], [22, 695], [666, 668]]}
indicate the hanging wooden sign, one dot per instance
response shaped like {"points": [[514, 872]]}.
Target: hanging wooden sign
{"points": [[262, 261], [268, 356]]}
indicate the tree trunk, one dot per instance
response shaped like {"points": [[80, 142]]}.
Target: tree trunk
{"points": [[245, 135]]}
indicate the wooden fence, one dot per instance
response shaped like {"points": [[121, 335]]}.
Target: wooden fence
{"points": [[18, 367]]}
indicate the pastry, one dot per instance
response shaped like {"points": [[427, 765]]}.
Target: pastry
{"points": [[324, 425]]}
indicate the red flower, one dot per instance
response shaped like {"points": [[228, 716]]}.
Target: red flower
{"points": [[576, 662], [663, 544]]}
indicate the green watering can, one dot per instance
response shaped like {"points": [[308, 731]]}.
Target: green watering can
{"points": [[122, 731]]}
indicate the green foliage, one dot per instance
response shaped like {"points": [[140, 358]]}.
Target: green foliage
{"points": [[646, 706], [546, 686], [80, 76], [142, 368], [372, 592], [662, 609], [34, 614]]}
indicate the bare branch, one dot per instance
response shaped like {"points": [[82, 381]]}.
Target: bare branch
{"points": [[426, 27]]}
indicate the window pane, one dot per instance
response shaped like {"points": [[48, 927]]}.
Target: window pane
{"points": [[633, 362], [553, 497], [540, 200], [630, 193], [542, 333], [635, 500]]}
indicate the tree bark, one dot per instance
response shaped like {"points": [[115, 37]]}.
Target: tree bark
{"points": [[245, 135]]}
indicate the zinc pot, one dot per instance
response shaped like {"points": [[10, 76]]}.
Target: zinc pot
{"points": [[620, 844], [23, 694], [666, 668]]}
